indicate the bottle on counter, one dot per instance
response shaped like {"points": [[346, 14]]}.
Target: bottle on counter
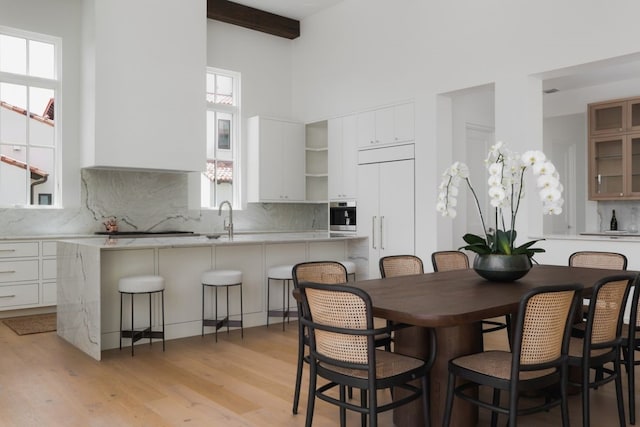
{"points": [[614, 221]]}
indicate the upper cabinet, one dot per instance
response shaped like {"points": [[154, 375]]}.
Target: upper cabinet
{"points": [[384, 126], [144, 88], [614, 116], [342, 135], [276, 160], [614, 150]]}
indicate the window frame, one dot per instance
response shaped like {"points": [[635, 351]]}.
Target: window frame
{"points": [[234, 110], [54, 84]]}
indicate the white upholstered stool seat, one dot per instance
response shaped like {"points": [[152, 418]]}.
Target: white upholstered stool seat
{"points": [[221, 279], [141, 284], [134, 285], [283, 273]]}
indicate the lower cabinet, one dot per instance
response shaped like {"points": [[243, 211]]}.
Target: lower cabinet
{"points": [[27, 274]]}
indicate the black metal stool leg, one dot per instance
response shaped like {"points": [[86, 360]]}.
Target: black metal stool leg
{"points": [[203, 286], [241, 315], [216, 312], [228, 314], [150, 322], [268, 293], [132, 328], [162, 295], [121, 320], [284, 309]]}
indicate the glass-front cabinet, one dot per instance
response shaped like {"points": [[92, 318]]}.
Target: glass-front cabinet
{"points": [[614, 150]]}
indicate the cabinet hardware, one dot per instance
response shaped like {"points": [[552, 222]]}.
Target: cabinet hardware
{"points": [[7, 271], [373, 232], [7, 296], [7, 250], [382, 232]]}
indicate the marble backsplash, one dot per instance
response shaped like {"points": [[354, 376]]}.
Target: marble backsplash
{"points": [[627, 215], [153, 201]]}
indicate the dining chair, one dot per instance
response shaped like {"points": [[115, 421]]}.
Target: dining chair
{"points": [[457, 260], [597, 341], [538, 358], [400, 265], [595, 259], [326, 272], [342, 350], [629, 345]]}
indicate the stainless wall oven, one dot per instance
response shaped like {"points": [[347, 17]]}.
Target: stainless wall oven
{"points": [[342, 217]]}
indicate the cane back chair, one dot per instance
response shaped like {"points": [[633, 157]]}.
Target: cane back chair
{"points": [[343, 351], [538, 358]]}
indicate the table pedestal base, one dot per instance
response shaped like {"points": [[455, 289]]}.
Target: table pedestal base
{"points": [[451, 342]]}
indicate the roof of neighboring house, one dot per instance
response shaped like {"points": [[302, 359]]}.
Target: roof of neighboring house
{"points": [[224, 172], [36, 173], [47, 118]]}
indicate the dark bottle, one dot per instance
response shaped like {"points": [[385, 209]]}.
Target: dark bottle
{"points": [[614, 221]]}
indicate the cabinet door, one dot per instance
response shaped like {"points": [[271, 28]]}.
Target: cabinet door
{"points": [[271, 159], [606, 118], [634, 165], [385, 124], [607, 167], [366, 129], [349, 157], [334, 142], [633, 114], [404, 123], [397, 208], [368, 218], [292, 162]]}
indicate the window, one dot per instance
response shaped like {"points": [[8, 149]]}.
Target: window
{"points": [[29, 147], [220, 180]]}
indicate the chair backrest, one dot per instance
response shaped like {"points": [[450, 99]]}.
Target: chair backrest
{"points": [[543, 324], [340, 321], [449, 260], [400, 265], [329, 272], [595, 259], [606, 310]]}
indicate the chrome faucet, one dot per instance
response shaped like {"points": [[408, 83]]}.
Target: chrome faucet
{"points": [[227, 225]]}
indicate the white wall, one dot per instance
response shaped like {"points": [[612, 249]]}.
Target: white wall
{"points": [[362, 53], [264, 62]]}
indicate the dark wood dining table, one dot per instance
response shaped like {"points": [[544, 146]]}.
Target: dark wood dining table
{"points": [[455, 303]]}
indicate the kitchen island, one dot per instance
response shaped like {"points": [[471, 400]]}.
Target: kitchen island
{"points": [[89, 270]]}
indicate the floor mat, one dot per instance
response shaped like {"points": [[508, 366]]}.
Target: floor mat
{"points": [[35, 324]]}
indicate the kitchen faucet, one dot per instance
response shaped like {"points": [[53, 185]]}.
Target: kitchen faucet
{"points": [[227, 226]]}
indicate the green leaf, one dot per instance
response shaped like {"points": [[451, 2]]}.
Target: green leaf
{"points": [[503, 242], [473, 239]]}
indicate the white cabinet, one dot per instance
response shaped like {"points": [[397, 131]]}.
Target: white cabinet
{"points": [[27, 274], [384, 126], [386, 209], [342, 135], [276, 154]]}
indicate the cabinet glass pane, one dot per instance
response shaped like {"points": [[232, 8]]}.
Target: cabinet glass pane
{"points": [[608, 166], [635, 164], [608, 118], [635, 114]]}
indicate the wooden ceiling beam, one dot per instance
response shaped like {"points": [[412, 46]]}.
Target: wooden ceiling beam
{"points": [[255, 19]]}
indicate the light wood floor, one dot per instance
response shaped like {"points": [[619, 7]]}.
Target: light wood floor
{"points": [[46, 382]]}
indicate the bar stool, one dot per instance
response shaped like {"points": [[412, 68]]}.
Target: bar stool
{"points": [[133, 285], [284, 274], [350, 266], [222, 279]]}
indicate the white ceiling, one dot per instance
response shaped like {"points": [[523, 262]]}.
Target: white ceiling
{"points": [[295, 9]]}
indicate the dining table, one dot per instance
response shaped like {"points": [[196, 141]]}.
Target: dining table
{"points": [[454, 303]]}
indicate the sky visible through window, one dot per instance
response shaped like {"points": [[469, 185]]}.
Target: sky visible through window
{"points": [[26, 57]]}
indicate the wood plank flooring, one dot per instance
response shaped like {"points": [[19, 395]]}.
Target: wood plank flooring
{"points": [[44, 381]]}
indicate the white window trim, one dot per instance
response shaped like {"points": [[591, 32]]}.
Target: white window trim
{"points": [[235, 110], [54, 84]]}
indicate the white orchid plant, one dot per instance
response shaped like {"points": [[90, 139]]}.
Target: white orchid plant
{"points": [[506, 190]]}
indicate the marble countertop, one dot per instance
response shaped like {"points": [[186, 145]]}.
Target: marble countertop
{"points": [[203, 240]]}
